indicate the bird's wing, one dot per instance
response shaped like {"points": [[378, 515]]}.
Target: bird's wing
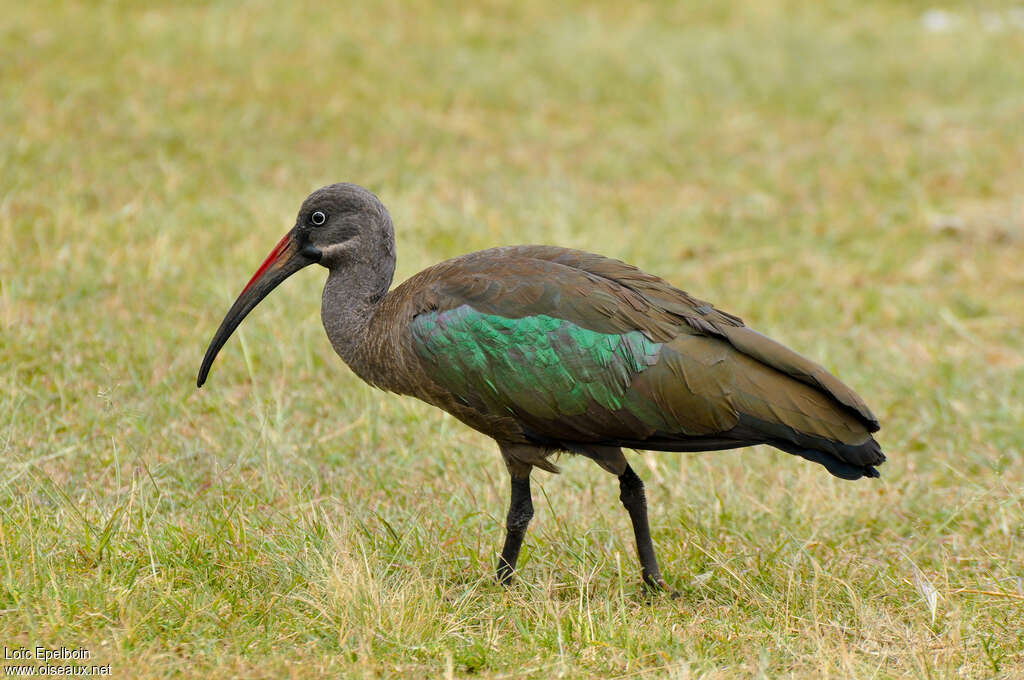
{"points": [[580, 348], [703, 317]]}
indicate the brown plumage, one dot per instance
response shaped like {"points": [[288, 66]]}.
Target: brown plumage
{"points": [[547, 349]]}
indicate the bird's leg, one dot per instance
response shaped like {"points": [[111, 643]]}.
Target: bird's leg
{"points": [[632, 496], [520, 512]]}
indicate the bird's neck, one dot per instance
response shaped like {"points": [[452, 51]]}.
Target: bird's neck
{"points": [[351, 300]]}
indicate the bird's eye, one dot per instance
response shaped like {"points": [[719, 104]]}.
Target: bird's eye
{"points": [[318, 218]]}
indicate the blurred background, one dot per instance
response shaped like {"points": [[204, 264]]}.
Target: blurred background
{"points": [[847, 177]]}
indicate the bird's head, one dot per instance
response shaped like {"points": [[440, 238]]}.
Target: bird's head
{"points": [[338, 226]]}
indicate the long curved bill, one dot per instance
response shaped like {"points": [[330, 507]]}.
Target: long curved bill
{"points": [[284, 260]]}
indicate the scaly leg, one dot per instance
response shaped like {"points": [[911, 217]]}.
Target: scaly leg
{"points": [[632, 496], [520, 512]]}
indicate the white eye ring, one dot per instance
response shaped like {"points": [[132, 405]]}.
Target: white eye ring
{"points": [[318, 218]]}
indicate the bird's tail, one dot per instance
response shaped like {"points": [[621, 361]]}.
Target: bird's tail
{"points": [[848, 461], [838, 467]]}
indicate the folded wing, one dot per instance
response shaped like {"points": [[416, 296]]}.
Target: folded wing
{"points": [[581, 349]]}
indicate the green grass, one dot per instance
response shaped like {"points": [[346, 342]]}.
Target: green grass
{"points": [[841, 178]]}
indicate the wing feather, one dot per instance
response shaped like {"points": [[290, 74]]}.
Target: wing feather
{"points": [[582, 348]]}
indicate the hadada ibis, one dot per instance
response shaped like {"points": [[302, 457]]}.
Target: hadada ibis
{"points": [[550, 350]]}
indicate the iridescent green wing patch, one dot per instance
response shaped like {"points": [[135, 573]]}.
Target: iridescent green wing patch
{"points": [[535, 365]]}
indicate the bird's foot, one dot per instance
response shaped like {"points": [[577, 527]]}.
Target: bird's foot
{"points": [[503, 575], [656, 585]]}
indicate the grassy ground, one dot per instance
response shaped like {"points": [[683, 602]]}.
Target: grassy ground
{"points": [[845, 179]]}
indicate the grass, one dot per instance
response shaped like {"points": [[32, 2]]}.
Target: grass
{"points": [[844, 179]]}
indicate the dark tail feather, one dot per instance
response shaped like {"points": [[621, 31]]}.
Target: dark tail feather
{"points": [[833, 464], [849, 461]]}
